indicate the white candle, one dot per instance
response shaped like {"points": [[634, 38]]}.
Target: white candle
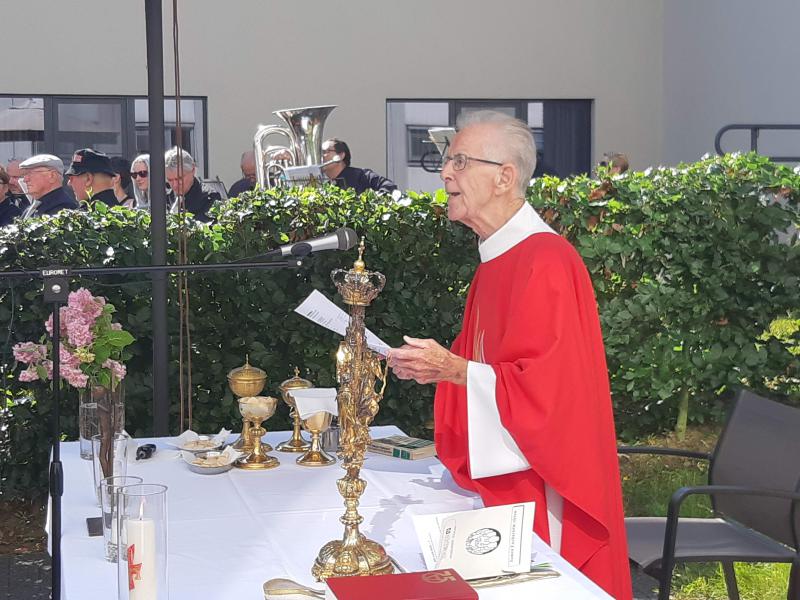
{"points": [[142, 576]]}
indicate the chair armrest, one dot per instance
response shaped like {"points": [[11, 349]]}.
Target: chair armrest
{"points": [[663, 451], [673, 512], [732, 490]]}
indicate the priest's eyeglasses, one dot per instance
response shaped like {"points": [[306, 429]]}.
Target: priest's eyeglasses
{"points": [[460, 161]]}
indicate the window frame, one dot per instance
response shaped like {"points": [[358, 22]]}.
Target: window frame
{"points": [[51, 103]]}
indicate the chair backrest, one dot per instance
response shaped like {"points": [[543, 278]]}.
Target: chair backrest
{"points": [[760, 447], [217, 186]]}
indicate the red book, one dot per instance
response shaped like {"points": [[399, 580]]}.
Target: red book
{"points": [[444, 584]]}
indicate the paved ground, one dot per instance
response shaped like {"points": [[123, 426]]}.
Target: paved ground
{"points": [[27, 577]]}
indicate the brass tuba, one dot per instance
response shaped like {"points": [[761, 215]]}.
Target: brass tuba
{"points": [[304, 134]]}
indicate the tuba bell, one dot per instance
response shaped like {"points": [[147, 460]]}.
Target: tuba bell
{"points": [[303, 131]]}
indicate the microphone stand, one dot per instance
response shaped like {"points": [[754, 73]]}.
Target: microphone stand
{"points": [[56, 292]]}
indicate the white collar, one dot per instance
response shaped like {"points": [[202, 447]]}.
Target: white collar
{"points": [[525, 222]]}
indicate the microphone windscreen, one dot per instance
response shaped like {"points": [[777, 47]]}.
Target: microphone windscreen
{"points": [[347, 238]]}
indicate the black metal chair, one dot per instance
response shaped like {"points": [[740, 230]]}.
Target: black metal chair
{"points": [[754, 486]]}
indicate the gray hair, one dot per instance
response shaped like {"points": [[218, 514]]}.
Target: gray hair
{"points": [[142, 196], [175, 155], [518, 146]]}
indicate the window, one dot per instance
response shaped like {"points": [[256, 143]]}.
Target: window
{"points": [[419, 145], [560, 128], [94, 124], [21, 128], [116, 125]]}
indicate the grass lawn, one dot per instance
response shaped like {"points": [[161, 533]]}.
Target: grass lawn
{"points": [[648, 482]]}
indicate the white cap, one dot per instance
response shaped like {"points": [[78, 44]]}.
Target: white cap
{"points": [[48, 161]]}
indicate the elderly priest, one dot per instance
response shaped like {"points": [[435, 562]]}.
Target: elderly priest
{"points": [[523, 407]]}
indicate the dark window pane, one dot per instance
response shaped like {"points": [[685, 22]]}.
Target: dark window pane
{"points": [[21, 128]]}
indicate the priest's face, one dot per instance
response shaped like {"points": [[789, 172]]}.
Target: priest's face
{"points": [[470, 176]]}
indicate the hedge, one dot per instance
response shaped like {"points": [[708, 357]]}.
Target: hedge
{"points": [[688, 265]]}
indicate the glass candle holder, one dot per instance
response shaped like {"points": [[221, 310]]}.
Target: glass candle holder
{"points": [[142, 535]]}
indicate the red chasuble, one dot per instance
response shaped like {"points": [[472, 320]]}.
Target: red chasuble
{"points": [[531, 315]]}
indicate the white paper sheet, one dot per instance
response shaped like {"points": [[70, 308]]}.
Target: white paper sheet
{"points": [[478, 543], [322, 311]]}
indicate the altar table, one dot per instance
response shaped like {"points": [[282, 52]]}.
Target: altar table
{"points": [[229, 533]]}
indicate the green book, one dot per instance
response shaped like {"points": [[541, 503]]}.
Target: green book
{"points": [[401, 446]]}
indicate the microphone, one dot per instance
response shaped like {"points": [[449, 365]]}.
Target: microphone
{"points": [[332, 161], [343, 238]]}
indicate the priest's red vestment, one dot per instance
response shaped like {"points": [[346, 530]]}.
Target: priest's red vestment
{"points": [[531, 315]]}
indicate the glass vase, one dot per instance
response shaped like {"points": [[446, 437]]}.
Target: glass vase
{"points": [[142, 542], [99, 407]]}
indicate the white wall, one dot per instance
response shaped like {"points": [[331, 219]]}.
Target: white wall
{"points": [[730, 61], [252, 57]]}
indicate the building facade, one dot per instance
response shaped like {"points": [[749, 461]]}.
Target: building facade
{"points": [[588, 77]]}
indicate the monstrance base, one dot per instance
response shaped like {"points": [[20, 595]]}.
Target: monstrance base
{"points": [[338, 559]]}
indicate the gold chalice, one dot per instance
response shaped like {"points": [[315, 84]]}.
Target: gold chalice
{"points": [[296, 443], [255, 410], [315, 456], [246, 381]]}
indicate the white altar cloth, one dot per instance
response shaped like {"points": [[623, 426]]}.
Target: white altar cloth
{"points": [[229, 533]]}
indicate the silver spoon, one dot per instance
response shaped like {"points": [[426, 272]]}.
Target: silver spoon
{"points": [[288, 587]]}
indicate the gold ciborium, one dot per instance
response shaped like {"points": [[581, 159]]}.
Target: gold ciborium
{"points": [[255, 410], [247, 381], [296, 443], [316, 423], [357, 370]]}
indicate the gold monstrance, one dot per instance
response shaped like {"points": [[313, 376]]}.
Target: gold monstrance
{"points": [[357, 369]]}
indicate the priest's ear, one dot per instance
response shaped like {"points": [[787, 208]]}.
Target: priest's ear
{"points": [[506, 177]]}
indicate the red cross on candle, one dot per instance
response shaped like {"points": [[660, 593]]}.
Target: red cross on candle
{"points": [[134, 570]]}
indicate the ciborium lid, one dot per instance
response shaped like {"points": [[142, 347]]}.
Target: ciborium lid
{"points": [[296, 382], [246, 373]]}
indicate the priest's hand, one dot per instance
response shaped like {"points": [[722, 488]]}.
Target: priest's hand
{"points": [[426, 361]]}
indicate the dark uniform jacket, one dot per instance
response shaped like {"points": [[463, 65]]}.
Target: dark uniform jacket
{"points": [[20, 200], [54, 202], [8, 212], [106, 197], [240, 187], [198, 200], [363, 179]]}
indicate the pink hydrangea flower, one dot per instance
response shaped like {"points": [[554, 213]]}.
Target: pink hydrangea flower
{"points": [[79, 332], [29, 352], [118, 370], [63, 315], [74, 376], [82, 301], [29, 374], [68, 359]]}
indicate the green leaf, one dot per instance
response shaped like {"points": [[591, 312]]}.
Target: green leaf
{"points": [[119, 339]]}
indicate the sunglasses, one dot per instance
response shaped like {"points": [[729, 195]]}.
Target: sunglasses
{"points": [[135, 174]]}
